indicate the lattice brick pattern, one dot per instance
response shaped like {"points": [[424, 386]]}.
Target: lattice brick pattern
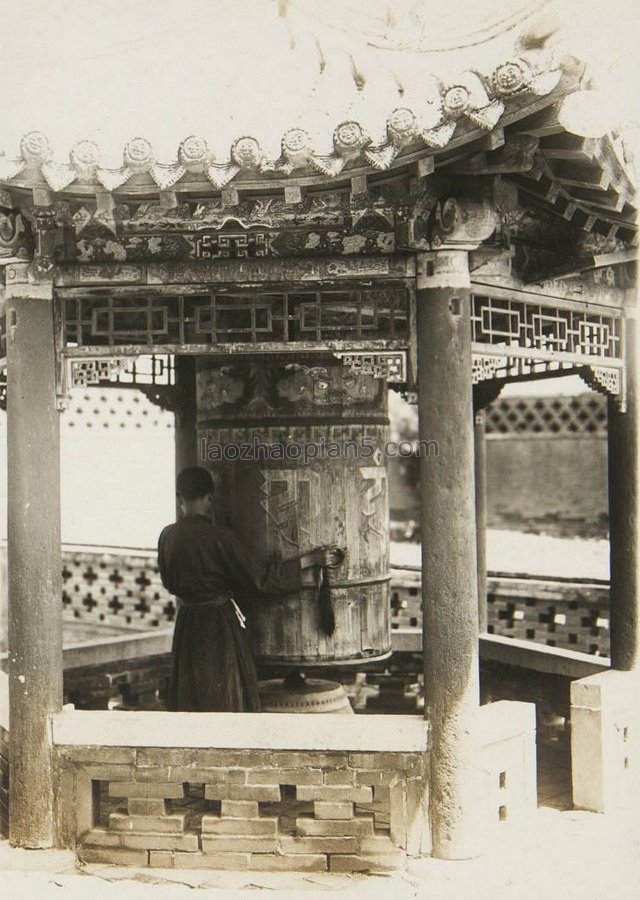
{"points": [[246, 809], [114, 589], [581, 414], [215, 318], [97, 409], [577, 621], [125, 591], [571, 615]]}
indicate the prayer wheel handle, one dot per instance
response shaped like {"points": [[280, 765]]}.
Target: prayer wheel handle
{"points": [[337, 557]]}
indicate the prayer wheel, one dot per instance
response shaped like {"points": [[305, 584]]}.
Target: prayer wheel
{"points": [[297, 452], [315, 695]]}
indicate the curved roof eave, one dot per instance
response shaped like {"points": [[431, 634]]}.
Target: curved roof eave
{"points": [[473, 105]]}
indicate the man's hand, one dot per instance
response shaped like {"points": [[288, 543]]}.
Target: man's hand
{"points": [[323, 556]]}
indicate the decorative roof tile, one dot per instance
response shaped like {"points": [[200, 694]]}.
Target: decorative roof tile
{"points": [[478, 99]]}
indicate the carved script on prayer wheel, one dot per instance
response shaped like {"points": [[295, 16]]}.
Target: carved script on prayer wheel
{"points": [[297, 450]]}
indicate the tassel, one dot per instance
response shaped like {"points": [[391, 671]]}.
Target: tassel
{"points": [[326, 615]]}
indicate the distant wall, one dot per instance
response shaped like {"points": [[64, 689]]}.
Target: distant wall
{"points": [[547, 476], [546, 461]]}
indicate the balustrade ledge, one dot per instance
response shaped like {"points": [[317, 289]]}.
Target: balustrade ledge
{"points": [[514, 652], [271, 731], [540, 658]]}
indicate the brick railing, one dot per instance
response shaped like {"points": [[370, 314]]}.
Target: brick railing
{"points": [[319, 795], [121, 589], [342, 799], [114, 586], [571, 614]]}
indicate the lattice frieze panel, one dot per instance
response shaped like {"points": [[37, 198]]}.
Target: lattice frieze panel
{"points": [[157, 370], [392, 365], [535, 327], [219, 318], [114, 589], [580, 414], [509, 368]]}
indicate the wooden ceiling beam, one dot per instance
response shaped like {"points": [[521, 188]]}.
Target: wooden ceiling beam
{"points": [[581, 175], [603, 200], [583, 264], [576, 155], [569, 147], [604, 220]]}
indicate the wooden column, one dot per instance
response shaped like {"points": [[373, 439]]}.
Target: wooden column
{"points": [[186, 448], [624, 507], [480, 458], [449, 564], [449, 548], [34, 563]]}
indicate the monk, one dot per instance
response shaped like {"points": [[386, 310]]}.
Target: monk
{"points": [[208, 568]]}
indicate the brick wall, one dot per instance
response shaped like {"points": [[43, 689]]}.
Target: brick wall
{"points": [[124, 684], [242, 809]]}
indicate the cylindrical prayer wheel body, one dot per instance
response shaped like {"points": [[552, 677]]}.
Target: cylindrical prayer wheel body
{"points": [[297, 451]]}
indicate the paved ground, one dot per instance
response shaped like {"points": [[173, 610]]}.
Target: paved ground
{"points": [[536, 554], [568, 855]]}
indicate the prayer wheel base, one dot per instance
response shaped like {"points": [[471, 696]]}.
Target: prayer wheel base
{"points": [[297, 694]]}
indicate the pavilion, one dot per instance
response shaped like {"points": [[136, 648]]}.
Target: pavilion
{"points": [[441, 233]]}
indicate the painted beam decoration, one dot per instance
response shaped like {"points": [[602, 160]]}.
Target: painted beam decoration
{"points": [[16, 243], [327, 224]]}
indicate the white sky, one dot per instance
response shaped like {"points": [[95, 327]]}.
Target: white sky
{"points": [[163, 69]]}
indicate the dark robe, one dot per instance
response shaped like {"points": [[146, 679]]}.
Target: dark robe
{"points": [[205, 565]]}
